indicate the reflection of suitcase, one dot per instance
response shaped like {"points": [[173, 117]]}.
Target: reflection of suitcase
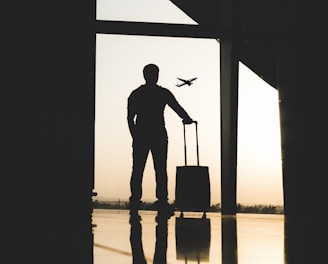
{"points": [[192, 189], [193, 239]]}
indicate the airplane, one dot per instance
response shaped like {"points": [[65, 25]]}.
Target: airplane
{"points": [[186, 82]]}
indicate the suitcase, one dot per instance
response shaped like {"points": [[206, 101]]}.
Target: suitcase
{"points": [[192, 188]]}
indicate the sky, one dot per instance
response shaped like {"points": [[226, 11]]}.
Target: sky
{"points": [[119, 63]]}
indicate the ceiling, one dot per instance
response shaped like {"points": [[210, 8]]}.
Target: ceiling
{"points": [[253, 23]]}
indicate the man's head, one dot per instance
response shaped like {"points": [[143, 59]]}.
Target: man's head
{"points": [[150, 72]]}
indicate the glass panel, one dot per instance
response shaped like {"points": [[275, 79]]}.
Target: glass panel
{"points": [[155, 11], [119, 63], [259, 154]]}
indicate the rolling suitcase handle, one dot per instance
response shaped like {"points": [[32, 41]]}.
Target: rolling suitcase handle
{"points": [[185, 146]]}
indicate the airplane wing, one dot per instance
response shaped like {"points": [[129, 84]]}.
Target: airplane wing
{"points": [[189, 82], [179, 85]]}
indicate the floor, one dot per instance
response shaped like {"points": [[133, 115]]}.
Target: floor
{"points": [[193, 238]]}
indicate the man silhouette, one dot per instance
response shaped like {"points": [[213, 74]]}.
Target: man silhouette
{"points": [[146, 123]]}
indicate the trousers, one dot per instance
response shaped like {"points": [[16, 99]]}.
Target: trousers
{"points": [[157, 146]]}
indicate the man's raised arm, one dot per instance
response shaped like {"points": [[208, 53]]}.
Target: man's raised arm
{"points": [[173, 103]]}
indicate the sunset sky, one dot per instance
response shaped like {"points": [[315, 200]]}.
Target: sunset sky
{"points": [[119, 63]]}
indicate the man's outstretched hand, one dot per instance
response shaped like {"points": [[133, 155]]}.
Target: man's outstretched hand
{"points": [[188, 121]]}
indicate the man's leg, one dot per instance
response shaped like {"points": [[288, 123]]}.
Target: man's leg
{"points": [[139, 154], [159, 153]]}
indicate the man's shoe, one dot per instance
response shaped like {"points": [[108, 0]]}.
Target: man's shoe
{"points": [[134, 206], [162, 217], [166, 209]]}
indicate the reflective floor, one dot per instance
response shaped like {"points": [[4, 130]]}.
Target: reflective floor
{"points": [[246, 238]]}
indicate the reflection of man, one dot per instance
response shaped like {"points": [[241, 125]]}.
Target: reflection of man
{"points": [[136, 241], [147, 127], [138, 256], [161, 240]]}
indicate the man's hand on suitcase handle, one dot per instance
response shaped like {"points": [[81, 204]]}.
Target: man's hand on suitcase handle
{"points": [[188, 121]]}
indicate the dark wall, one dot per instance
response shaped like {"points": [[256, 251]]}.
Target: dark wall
{"points": [[303, 111], [303, 107], [49, 119]]}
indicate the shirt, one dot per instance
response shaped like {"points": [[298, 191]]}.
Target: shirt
{"points": [[147, 104]]}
